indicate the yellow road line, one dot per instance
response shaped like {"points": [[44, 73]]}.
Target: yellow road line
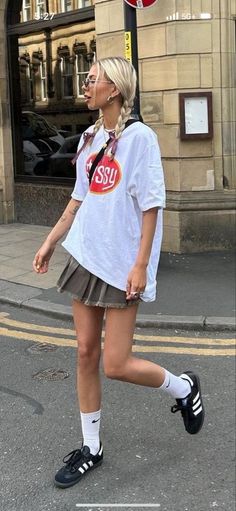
{"points": [[184, 351], [138, 349], [137, 337], [3, 314], [33, 326], [25, 336], [185, 340]]}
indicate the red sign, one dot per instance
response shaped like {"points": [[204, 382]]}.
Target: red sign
{"points": [[141, 4]]}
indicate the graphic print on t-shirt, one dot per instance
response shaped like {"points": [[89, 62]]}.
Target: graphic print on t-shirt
{"points": [[107, 174]]}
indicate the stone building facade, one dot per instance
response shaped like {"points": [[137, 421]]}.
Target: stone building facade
{"points": [[184, 46]]}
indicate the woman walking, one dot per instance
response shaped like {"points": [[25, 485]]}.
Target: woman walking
{"points": [[114, 219]]}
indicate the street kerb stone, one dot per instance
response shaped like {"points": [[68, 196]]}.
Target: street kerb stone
{"points": [[49, 308], [16, 293], [219, 323]]}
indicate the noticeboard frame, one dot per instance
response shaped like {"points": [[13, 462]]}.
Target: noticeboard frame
{"points": [[190, 130]]}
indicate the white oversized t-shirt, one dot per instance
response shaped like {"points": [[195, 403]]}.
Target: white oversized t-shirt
{"points": [[105, 235]]}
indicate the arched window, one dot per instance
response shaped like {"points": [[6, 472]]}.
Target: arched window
{"points": [[48, 106]]}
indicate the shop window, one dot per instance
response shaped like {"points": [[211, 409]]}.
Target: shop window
{"points": [[66, 130], [42, 74]]}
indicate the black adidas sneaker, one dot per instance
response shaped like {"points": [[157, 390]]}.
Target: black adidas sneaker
{"points": [[77, 464], [191, 407]]}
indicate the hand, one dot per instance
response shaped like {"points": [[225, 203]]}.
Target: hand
{"points": [[136, 282], [42, 257]]}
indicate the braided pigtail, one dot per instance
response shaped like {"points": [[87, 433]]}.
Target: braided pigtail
{"points": [[125, 112], [88, 138], [96, 128]]}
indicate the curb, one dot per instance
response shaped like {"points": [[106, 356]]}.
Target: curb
{"points": [[64, 312]]}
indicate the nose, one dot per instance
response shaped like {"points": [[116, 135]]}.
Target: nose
{"points": [[85, 85]]}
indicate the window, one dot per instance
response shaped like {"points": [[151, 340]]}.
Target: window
{"points": [[66, 5], [67, 77], [40, 7], [26, 77], [82, 68], [43, 81], [26, 10], [29, 81], [84, 3], [43, 92]]}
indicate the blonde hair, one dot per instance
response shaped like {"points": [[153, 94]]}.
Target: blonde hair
{"points": [[119, 71]]}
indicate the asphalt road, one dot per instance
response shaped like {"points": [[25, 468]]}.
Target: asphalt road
{"points": [[150, 462]]}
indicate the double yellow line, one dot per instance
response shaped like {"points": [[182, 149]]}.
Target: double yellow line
{"points": [[157, 344]]}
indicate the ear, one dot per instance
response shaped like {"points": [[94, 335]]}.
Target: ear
{"points": [[115, 92]]}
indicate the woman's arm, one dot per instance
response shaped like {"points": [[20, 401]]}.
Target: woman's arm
{"points": [[137, 277], [65, 222], [149, 222], [44, 254]]}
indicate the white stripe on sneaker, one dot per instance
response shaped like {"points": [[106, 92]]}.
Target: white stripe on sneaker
{"points": [[81, 470], [85, 466], [196, 398], [186, 377], [197, 405], [90, 463], [198, 411]]}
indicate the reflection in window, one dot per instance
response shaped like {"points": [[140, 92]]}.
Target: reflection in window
{"points": [[26, 78], [67, 77], [82, 68], [40, 7], [43, 81], [26, 10], [66, 5], [84, 3]]}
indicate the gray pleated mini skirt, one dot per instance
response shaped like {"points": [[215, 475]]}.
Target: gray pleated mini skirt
{"points": [[89, 289]]}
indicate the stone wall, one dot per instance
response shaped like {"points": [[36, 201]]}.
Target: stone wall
{"points": [[40, 205], [186, 46], [6, 159]]}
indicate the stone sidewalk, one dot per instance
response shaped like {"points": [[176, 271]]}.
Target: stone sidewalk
{"points": [[194, 290]]}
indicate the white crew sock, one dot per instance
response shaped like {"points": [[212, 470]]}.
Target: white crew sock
{"points": [[175, 386], [90, 423]]}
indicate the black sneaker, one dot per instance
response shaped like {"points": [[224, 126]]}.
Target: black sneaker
{"points": [[191, 407], [77, 464]]}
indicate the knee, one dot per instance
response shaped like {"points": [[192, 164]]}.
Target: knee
{"points": [[88, 354], [113, 369]]}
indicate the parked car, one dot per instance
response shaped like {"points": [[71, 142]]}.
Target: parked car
{"points": [[40, 140], [59, 164], [32, 156], [35, 126]]}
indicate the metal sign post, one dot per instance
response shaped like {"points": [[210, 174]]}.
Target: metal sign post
{"points": [[131, 44], [131, 48]]}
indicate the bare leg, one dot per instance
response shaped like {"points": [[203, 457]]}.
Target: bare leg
{"points": [[88, 324], [119, 363]]}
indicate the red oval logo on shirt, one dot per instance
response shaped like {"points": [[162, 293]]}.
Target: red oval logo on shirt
{"points": [[106, 176]]}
